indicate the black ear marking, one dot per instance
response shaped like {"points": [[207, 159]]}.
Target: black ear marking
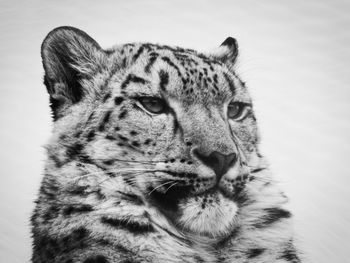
{"points": [[228, 51], [69, 55], [230, 41]]}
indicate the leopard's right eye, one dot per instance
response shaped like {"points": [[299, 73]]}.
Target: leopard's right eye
{"points": [[153, 104], [237, 111]]}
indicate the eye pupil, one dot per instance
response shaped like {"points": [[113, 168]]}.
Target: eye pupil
{"points": [[153, 105]]}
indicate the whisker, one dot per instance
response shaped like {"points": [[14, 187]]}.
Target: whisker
{"points": [[158, 187], [171, 186], [117, 171], [256, 169], [127, 161], [261, 179], [133, 180], [137, 170], [142, 161]]}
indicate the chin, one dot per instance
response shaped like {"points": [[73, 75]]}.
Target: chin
{"points": [[210, 214]]}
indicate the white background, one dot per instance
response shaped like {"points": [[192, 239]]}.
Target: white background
{"points": [[294, 55]]}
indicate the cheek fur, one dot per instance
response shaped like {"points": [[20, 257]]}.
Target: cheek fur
{"points": [[247, 133]]}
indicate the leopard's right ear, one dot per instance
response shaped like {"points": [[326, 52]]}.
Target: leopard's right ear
{"points": [[227, 52], [69, 57]]}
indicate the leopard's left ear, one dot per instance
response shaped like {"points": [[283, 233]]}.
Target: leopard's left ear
{"points": [[227, 52]]}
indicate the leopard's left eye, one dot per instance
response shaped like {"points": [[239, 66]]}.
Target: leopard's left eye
{"points": [[237, 111], [153, 105]]}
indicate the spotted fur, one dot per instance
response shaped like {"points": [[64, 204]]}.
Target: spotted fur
{"points": [[123, 184]]}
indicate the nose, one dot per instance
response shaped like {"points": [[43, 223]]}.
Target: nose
{"points": [[219, 162]]}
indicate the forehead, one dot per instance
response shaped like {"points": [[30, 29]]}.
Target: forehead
{"points": [[181, 74]]}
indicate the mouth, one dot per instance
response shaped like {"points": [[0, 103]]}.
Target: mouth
{"points": [[208, 214], [181, 186], [168, 200], [195, 205]]}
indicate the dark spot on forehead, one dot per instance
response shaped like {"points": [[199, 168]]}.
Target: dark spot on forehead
{"points": [[122, 114], [172, 64], [230, 83], [148, 141], [164, 79], [118, 100], [123, 137], [135, 143], [215, 77], [106, 97], [132, 78], [133, 133], [138, 53], [124, 62], [110, 137], [150, 63]]}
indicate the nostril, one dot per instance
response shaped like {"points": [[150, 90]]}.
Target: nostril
{"points": [[217, 161]]}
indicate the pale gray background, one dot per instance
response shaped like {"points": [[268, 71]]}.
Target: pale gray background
{"points": [[295, 57]]}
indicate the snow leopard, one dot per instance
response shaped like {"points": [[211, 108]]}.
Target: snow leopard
{"points": [[154, 157]]}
